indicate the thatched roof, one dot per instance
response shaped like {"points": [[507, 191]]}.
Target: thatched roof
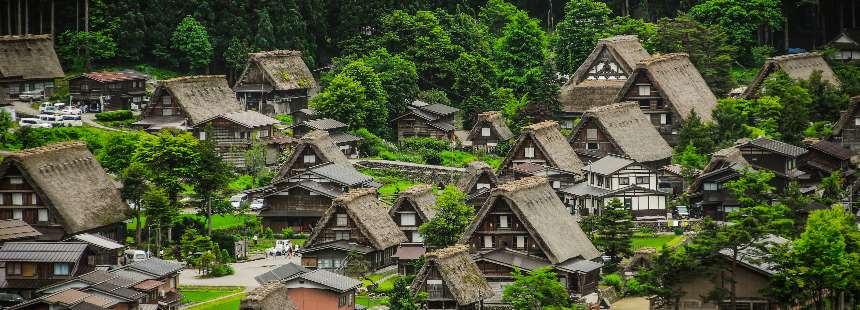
{"points": [[679, 82], [421, 197], [845, 117], [495, 121], [548, 138], [69, 178], [630, 130], [29, 57], [372, 220], [473, 172], [284, 69], [797, 66], [460, 274], [625, 49], [323, 146], [545, 217], [588, 94], [201, 97]]}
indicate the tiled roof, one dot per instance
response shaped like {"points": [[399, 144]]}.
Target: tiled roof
{"points": [[148, 285], [97, 276], [99, 241], [322, 124], [608, 164], [832, 149], [250, 119], [440, 109], [332, 280], [114, 76], [342, 173], [778, 147], [67, 252], [16, 229], [156, 267], [281, 273]]}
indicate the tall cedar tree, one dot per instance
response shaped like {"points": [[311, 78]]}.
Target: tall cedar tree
{"points": [[577, 33], [160, 212], [664, 276], [452, 218], [797, 207], [795, 102], [520, 54], [191, 41], [827, 99], [614, 230], [134, 186], [169, 158], [264, 38], [694, 131], [741, 19], [211, 178]]}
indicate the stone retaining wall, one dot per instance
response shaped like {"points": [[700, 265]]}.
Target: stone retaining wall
{"points": [[429, 174]]}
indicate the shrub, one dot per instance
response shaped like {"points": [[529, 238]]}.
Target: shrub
{"points": [[285, 118], [268, 233], [633, 288], [613, 280], [422, 145], [118, 115], [287, 233], [221, 270]]}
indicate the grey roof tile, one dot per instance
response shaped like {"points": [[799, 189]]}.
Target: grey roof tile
{"points": [[330, 279], [42, 251], [281, 273], [778, 147], [608, 164], [156, 267]]}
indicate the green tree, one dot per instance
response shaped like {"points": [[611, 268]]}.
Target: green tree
{"points": [[827, 99], [452, 218], [7, 139], [496, 14], [264, 38], [583, 23], [538, 289], [741, 19], [134, 186], [159, 211], [614, 233], [691, 161], [400, 297], [831, 188], [117, 150], [474, 83], [626, 25], [520, 54], [797, 206], [191, 40], [706, 45], [694, 131], [169, 158], [255, 162], [398, 77], [665, 276], [344, 99], [80, 48], [211, 179], [236, 55], [795, 101]]}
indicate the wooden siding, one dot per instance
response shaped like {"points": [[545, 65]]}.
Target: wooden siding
{"points": [[156, 106], [603, 141], [480, 141], [297, 200], [30, 204], [503, 237], [85, 90], [410, 126], [407, 208], [766, 159], [849, 137], [654, 105]]}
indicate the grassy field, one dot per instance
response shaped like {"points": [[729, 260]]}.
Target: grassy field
{"points": [[368, 301], [231, 303], [218, 221], [655, 241], [195, 294]]}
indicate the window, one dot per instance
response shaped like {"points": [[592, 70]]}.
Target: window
{"points": [[503, 221], [17, 199], [17, 214], [624, 181], [488, 242], [340, 219], [556, 184], [34, 200], [857, 121], [202, 135], [417, 237], [530, 152], [43, 215], [663, 119], [344, 300], [262, 133], [13, 268], [591, 134], [592, 146], [167, 111], [310, 159], [641, 180], [645, 104], [485, 132], [341, 235], [644, 90], [16, 180], [407, 219], [599, 180], [710, 186], [61, 269], [482, 185], [434, 289], [628, 203], [521, 242], [325, 263]]}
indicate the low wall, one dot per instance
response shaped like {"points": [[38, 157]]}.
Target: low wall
{"points": [[429, 174]]}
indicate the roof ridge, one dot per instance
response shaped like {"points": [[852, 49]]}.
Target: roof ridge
{"points": [[43, 149], [662, 58], [794, 56], [354, 194], [614, 106], [275, 53], [449, 251], [619, 38], [194, 78], [417, 189], [521, 184], [27, 37], [542, 125]]}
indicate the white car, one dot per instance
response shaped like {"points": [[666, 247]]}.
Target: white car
{"points": [[71, 120], [51, 119], [257, 204], [32, 95], [33, 122], [47, 108], [236, 200], [71, 111]]}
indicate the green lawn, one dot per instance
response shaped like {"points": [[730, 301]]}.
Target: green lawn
{"points": [[655, 241], [231, 303], [195, 294], [218, 221], [368, 301]]}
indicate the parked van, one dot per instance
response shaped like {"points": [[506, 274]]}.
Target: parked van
{"points": [[47, 108], [71, 120], [33, 122], [50, 119], [133, 256]]}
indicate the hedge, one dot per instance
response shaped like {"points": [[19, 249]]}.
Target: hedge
{"points": [[118, 115]]}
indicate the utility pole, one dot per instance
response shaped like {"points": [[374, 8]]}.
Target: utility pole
{"points": [[86, 15]]}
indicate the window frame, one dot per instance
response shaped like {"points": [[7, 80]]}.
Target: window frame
{"points": [[404, 216], [341, 216], [529, 152], [485, 132], [67, 272], [640, 88], [624, 181], [309, 159]]}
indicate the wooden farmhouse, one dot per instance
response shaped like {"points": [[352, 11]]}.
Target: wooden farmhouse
{"points": [[846, 44], [525, 225], [310, 289], [542, 150], [109, 91], [489, 130], [423, 120], [105, 252], [305, 185], [671, 179], [846, 131], [615, 177], [621, 129], [275, 82], [669, 89], [413, 207], [727, 164], [61, 190], [28, 63], [600, 78], [476, 182], [347, 143], [207, 107], [823, 158], [796, 66], [32, 265], [451, 280], [355, 223]]}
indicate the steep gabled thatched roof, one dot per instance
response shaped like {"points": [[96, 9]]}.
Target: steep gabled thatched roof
{"points": [[679, 82], [545, 217], [69, 178], [588, 94], [372, 220], [201, 97], [629, 129], [473, 172], [554, 146], [495, 121], [797, 66], [460, 274], [322, 145], [421, 197], [625, 49], [845, 117], [284, 69], [29, 57]]}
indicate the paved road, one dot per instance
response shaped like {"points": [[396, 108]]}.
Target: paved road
{"points": [[243, 276], [88, 118], [631, 303]]}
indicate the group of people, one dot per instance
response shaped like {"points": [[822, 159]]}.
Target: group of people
{"points": [[283, 248]]}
